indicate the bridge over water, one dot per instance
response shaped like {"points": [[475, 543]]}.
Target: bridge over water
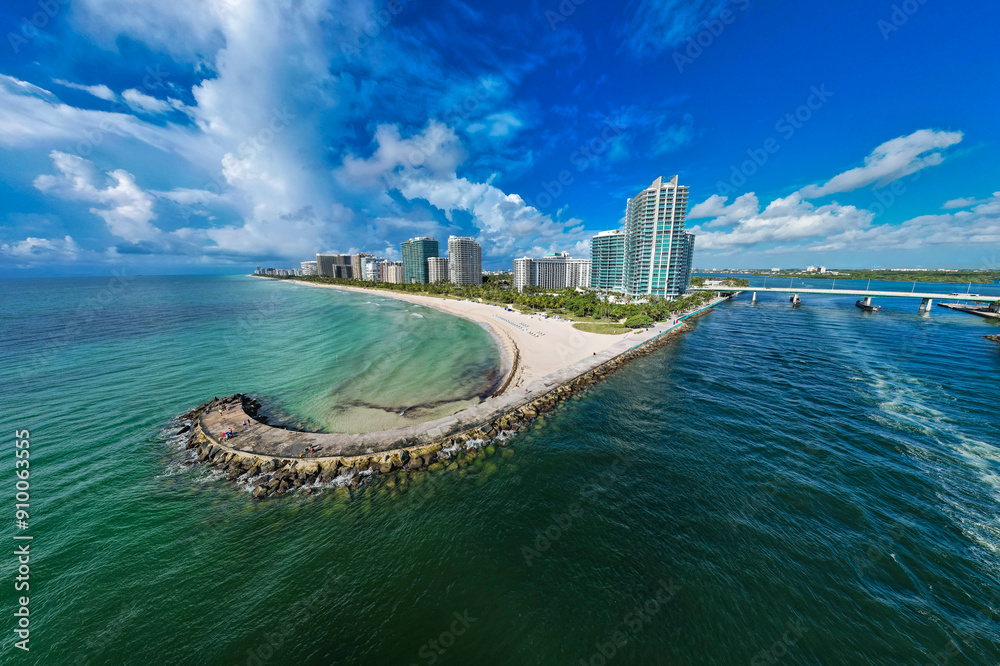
{"points": [[926, 298]]}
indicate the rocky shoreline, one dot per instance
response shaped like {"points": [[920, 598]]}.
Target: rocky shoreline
{"points": [[994, 338], [277, 475]]}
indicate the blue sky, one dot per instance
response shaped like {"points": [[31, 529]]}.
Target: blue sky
{"points": [[191, 136]]}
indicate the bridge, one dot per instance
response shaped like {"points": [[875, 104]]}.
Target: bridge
{"points": [[926, 298]]}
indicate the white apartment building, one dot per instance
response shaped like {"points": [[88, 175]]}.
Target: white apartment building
{"points": [[465, 260], [437, 269]]}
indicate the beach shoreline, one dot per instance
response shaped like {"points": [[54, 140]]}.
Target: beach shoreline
{"points": [[541, 346], [271, 460]]}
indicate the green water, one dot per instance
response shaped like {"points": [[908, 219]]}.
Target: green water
{"points": [[813, 486]]}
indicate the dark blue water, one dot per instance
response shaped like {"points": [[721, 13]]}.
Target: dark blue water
{"points": [[814, 485]]}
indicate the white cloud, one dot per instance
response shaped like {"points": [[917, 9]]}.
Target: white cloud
{"points": [[786, 220], [963, 202], [127, 209], [33, 251], [144, 103], [744, 206], [793, 224], [423, 167], [100, 90], [32, 117], [891, 161], [977, 228]]}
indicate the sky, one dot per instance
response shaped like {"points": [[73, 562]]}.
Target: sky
{"points": [[212, 136]]}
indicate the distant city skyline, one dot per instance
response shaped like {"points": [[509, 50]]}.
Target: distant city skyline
{"points": [[170, 139]]}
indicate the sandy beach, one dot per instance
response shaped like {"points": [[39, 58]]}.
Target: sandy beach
{"points": [[541, 346]]}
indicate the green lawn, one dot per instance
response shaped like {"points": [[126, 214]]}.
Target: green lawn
{"points": [[607, 329]]}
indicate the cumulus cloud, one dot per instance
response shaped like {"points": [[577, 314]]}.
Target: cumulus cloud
{"points": [[423, 167], [100, 90], [33, 251], [125, 208], [787, 220], [744, 206], [793, 223], [891, 161], [978, 227], [963, 202]]}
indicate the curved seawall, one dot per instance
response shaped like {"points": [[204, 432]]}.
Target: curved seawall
{"points": [[275, 460]]}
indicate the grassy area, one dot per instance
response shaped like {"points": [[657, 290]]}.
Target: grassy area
{"points": [[607, 329]]}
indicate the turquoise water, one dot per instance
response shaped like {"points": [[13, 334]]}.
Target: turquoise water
{"points": [[810, 485]]}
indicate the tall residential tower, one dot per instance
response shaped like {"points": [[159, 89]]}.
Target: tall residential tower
{"points": [[416, 252], [465, 260], [655, 243], [607, 261]]}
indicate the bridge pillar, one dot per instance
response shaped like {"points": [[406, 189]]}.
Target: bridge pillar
{"points": [[754, 299], [795, 299], [925, 305]]}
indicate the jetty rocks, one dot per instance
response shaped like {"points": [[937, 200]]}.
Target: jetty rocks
{"points": [[994, 338], [274, 461]]}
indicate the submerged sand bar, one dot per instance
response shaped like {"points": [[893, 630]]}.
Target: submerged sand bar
{"points": [[542, 354]]}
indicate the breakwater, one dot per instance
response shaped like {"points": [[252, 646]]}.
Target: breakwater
{"points": [[274, 461]]}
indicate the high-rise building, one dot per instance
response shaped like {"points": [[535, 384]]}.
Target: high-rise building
{"points": [[416, 252], [607, 260], [310, 268], [578, 273], [688, 260], [392, 271], [371, 268], [334, 265], [553, 271], [655, 241], [465, 260], [358, 265], [437, 269]]}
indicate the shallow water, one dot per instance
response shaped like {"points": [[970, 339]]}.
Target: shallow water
{"points": [[777, 485]]}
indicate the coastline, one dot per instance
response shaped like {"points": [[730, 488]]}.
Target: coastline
{"points": [[272, 460], [540, 346]]}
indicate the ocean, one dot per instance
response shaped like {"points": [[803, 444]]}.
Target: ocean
{"points": [[812, 485]]}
